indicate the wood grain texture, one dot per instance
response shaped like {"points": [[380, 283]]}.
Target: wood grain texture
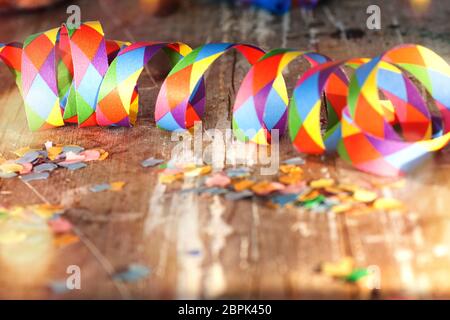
{"points": [[243, 249]]}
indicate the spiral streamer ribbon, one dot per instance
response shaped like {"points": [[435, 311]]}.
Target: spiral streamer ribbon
{"points": [[377, 120]]}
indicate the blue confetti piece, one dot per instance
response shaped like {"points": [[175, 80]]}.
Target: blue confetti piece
{"points": [[238, 172], [295, 161], [100, 187], [234, 196], [30, 157], [58, 287], [35, 176], [214, 191], [74, 166], [285, 199], [151, 162], [133, 273], [45, 167], [74, 149]]}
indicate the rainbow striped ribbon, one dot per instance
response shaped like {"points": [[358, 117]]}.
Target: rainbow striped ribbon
{"points": [[76, 76]]}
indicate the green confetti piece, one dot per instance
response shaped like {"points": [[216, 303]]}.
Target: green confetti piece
{"points": [[309, 204], [357, 275]]}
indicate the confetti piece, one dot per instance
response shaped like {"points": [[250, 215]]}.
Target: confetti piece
{"points": [[243, 185], [388, 204], [117, 186], [241, 172], [11, 237], [266, 187], [7, 175], [168, 178], [35, 176], [321, 183], [103, 154], [195, 172], [74, 166], [214, 191], [218, 180], [72, 149], [133, 273], [295, 161], [313, 203], [28, 157], [357, 274], [9, 167], [58, 287], [48, 145], [65, 240], [54, 152], [294, 188], [292, 178], [338, 269], [362, 195], [283, 200], [60, 225], [151, 162], [113, 186], [90, 155], [234, 196], [100, 187], [45, 167], [72, 157], [47, 211], [340, 208], [289, 168], [22, 151], [26, 168]]}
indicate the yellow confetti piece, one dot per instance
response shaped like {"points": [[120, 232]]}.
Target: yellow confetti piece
{"points": [[266, 187], [22, 151], [170, 178], [187, 166], [292, 178], [195, 172], [388, 204], [338, 269], [11, 237], [103, 154], [309, 195], [362, 195], [47, 211], [9, 167], [289, 168], [206, 169], [243, 185], [117, 185], [54, 152], [340, 208], [334, 190], [321, 183], [348, 187]]}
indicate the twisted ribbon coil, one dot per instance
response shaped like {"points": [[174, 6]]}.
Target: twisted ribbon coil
{"points": [[377, 120]]}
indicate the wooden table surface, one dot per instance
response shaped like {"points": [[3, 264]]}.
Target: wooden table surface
{"points": [[244, 249]]}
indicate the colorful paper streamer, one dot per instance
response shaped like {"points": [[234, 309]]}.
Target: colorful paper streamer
{"points": [[377, 120]]}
